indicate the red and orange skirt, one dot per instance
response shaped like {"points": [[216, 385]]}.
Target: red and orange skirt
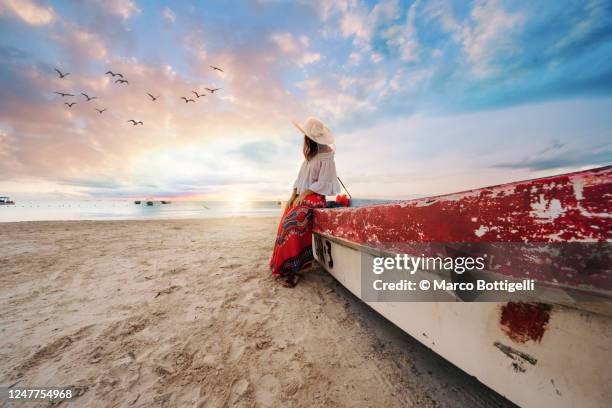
{"points": [[293, 246]]}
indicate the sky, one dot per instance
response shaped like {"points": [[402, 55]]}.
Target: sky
{"points": [[424, 97]]}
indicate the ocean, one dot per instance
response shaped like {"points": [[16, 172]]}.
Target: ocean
{"points": [[127, 210]]}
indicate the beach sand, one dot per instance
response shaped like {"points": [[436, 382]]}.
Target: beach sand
{"points": [[184, 313]]}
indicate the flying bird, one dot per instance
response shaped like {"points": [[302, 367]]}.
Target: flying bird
{"points": [[187, 100], [100, 110], [153, 98], [122, 81], [62, 94], [136, 123], [89, 98], [212, 90], [113, 74], [69, 104], [61, 74], [197, 94], [215, 68]]}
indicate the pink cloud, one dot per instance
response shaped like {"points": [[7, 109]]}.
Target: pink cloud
{"points": [[48, 142], [28, 11], [79, 42], [295, 48], [123, 8]]}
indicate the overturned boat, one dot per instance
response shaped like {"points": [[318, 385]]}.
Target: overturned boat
{"points": [[547, 344]]}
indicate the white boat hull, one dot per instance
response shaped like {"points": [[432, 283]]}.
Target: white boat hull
{"points": [[569, 367]]}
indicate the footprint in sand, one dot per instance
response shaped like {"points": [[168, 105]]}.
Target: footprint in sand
{"points": [[267, 390], [236, 349], [52, 350], [240, 390], [175, 271], [291, 388], [167, 291], [231, 266]]}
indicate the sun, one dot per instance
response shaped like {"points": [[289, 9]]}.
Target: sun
{"points": [[240, 199]]}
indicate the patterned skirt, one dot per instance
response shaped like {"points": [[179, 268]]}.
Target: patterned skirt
{"points": [[293, 246]]}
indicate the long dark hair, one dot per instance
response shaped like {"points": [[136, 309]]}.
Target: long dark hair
{"points": [[311, 148]]}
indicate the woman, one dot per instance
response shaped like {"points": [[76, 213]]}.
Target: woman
{"points": [[316, 179]]}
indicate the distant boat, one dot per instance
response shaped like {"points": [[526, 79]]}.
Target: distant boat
{"points": [[166, 202], [137, 202], [149, 202], [547, 347], [6, 201]]}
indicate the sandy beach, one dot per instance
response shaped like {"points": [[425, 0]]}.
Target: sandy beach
{"points": [[184, 313]]}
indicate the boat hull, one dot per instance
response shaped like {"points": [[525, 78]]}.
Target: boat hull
{"points": [[568, 366], [550, 349]]}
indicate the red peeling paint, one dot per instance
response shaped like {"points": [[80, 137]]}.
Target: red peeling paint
{"points": [[523, 227], [525, 321]]}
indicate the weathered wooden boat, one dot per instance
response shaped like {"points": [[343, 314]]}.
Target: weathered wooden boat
{"points": [[550, 347]]}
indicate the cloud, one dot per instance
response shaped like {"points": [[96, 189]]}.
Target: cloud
{"points": [[286, 42], [79, 42], [28, 11], [326, 100], [8, 154], [194, 44], [589, 26], [426, 155], [354, 23], [123, 8], [296, 48], [489, 34], [404, 38], [168, 14], [310, 58], [551, 159], [355, 58], [84, 152], [258, 152], [57, 143], [386, 12], [376, 57], [90, 183], [441, 11], [353, 19]]}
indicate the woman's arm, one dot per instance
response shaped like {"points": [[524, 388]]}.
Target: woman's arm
{"points": [[292, 198], [302, 196]]}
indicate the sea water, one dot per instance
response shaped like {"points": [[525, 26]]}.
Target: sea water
{"points": [[128, 210]]}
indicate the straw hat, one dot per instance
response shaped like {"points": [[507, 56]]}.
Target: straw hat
{"points": [[316, 130]]}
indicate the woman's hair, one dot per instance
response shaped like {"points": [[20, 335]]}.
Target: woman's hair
{"points": [[311, 148]]}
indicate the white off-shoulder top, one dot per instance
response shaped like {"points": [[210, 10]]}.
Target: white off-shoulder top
{"points": [[319, 175]]}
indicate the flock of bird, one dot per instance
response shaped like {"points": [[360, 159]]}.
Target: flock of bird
{"points": [[122, 81]]}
